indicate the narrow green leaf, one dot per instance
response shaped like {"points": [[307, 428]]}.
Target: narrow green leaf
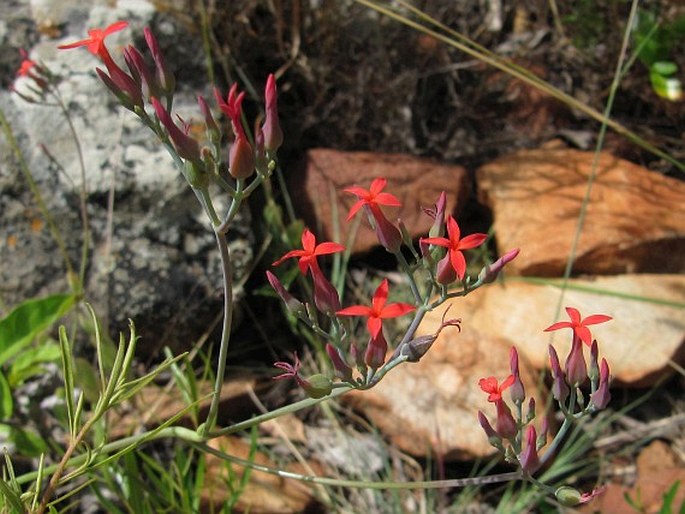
{"points": [[6, 401], [11, 497]]}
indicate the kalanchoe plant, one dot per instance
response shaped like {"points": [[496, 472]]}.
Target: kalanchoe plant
{"points": [[516, 437], [370, 359], [149, 93], [440, 262]]}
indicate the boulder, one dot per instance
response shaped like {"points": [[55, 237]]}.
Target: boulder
{"points": [[635, 220], [417, 182]]}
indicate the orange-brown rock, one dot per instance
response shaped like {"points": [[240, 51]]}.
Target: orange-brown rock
{"points": [[264, 493], [415, 181], [635, 219]]}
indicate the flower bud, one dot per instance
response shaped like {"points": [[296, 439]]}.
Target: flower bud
{"points": [[213, 131], [196, 175], [531, 410], [438, 214], [529, 457], [165, 78], [568, 496], [445, 274], [490, 272], [506, 424], [601, 397], [493, 438], [388, 234], [342, 370], [358, 358], [374, 357], [517, 391], [293, 304], [273, 135], [576, 368], [186, 146], [326, 297], [317, 386], [593, 369], [241, 159], [417, 347], [542, 436]]}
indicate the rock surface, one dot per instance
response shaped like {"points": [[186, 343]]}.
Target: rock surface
{"points": [[264, 493], [416, 182], [635, 221], [152, 253]]}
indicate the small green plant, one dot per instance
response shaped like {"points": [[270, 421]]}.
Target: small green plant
{"points": [[655, 42]]}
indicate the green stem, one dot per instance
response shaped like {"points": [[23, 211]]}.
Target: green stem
{"points": [[227, 271], [364, 484], [410, 275]]}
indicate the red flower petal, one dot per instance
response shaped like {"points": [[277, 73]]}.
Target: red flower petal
{"points": [[395, 310], [458, 263], [558, 325], [472, 241], [596, 318]]}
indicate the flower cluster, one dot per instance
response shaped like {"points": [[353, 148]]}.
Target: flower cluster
{"points": [[329, 320], [515, 435], [140, 85]]}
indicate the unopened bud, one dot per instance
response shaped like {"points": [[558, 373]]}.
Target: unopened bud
{"points": [[576, 368], [529, 457], [293, 304], [342, 370], [490, 272], [601, 397], [273, 135], [317, 386], [493, 438], [517, 391], [388, 234], [568, 496], [241, 158], [374, 357]]}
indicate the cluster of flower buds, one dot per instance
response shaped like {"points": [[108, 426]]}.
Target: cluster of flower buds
{"points": [[370, 359], [515, 435], [141, 84]]}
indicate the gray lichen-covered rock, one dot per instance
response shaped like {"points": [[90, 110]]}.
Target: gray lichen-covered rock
{"points": [[152, 256]]}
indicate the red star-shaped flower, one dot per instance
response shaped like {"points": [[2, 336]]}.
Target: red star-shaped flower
{"points": [[578, 325], [378, 310], [495, 390], [96, 42], [373, 197], [455, 245], [310, 251]]}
